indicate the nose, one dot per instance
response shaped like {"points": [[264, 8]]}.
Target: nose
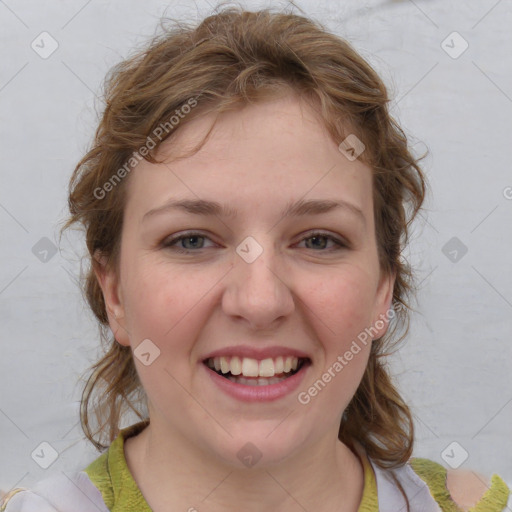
{"points": [[257, 291]]}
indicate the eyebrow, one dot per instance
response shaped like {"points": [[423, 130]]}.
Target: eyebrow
{"points": [[293, 209]]}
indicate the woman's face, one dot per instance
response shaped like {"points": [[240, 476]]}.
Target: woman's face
{"points": [[252, 286]]}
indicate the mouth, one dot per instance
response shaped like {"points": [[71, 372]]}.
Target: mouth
{"points": [[253, 372]]}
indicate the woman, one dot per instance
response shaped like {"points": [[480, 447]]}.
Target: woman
{"points": [[245, 213]]}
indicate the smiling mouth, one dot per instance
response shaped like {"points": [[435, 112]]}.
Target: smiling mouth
{"points": [[251, 380]]}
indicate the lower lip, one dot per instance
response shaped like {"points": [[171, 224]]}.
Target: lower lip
{"points": [[259, 393]]}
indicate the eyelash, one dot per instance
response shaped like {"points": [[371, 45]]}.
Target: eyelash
{"points": [[169, 243]]}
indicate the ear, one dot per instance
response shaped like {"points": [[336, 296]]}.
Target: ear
{"points": [[382, 308], [109, 284]]}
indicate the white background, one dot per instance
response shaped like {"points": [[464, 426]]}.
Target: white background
{"points": [[453, 369]]}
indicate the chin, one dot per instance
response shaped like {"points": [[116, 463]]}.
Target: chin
{"points": [[257, 447]]}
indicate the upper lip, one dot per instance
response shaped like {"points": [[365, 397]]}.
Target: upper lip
{"points": [[259, 353]]}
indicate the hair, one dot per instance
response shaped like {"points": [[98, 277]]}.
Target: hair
{"points": [[234, 58]]}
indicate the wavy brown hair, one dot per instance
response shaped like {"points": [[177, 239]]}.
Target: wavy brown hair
{"points": [[232, 58]]}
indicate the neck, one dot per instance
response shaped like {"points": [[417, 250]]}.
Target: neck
{"points": [[173, 474]]}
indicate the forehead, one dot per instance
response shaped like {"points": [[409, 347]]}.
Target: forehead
{"points": [[257, 159]]}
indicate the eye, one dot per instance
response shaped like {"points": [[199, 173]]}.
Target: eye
{"points": [[193, 240], [190, 239], [320, 239]]}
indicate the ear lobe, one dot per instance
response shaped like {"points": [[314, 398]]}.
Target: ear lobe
{"points": [[383, 301], [108, 282]]}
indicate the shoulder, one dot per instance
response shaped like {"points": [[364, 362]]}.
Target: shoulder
{"points": [[75, 492], [57, 493], [466, 487], [463, 488]]}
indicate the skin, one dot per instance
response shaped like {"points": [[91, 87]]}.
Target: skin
{"points": [[466, 487], [295, 294]]}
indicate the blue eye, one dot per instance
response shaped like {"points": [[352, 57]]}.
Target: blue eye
{"points": [[319, 235], [192, 236], [171, 242]]}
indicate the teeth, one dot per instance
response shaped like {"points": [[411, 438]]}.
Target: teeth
{"points": [[224, 365], [235, 366], [266, 368], [256, 382], [248, 367]]}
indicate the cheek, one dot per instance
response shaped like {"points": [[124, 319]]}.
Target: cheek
{"points": [[163, 305], [344, 301], [159, 301], [341, 309]]}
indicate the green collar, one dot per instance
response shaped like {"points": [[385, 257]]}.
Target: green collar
{"points": [[111, 475]]}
